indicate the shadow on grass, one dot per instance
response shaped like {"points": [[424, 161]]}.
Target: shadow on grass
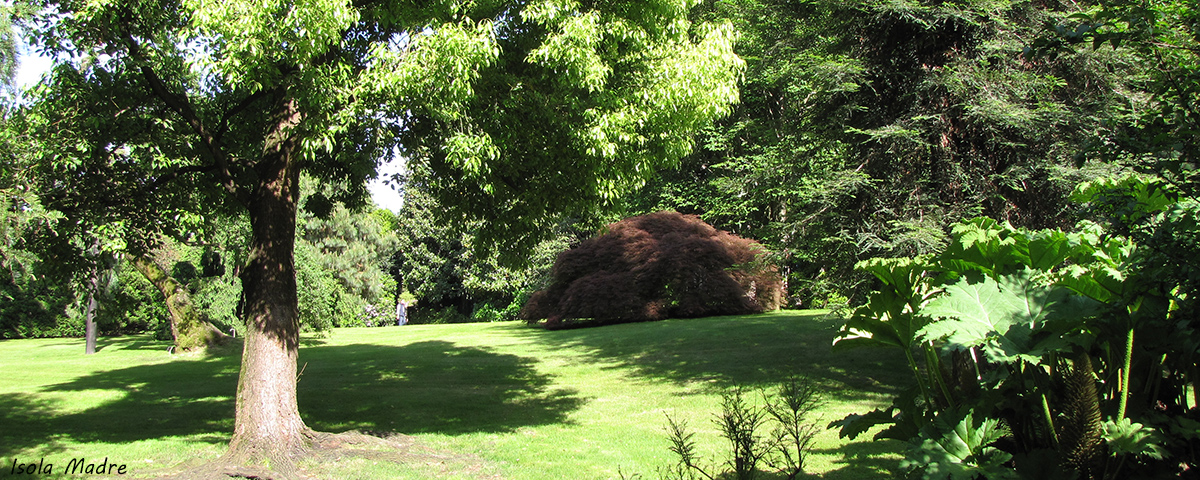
{"points": [[742, 350], [429, 386], [144, 342], [188, 396], [132, 342], [865, 459]]}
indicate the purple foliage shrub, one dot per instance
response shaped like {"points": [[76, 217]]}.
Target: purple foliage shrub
{"points": [[657, 266]]}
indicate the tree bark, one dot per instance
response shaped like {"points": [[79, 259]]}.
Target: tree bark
{"points": [[268, 430], [188, 328], [90, 314]]}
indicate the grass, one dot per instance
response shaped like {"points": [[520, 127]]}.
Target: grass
{"points": [[482, 400]]}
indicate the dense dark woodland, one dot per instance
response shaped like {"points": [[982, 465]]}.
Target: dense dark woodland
{"points": [[143, 191]]}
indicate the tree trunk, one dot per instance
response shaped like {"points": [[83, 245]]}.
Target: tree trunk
{"points": [[90, 314], [268, 430], [189, 330]]}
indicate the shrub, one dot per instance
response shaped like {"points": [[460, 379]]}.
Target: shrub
{"points": [[657, 266], [786, 410], [422, 315], [486, 313]]}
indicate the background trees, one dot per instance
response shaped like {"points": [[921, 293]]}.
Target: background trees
{"points": [[1158, 136], [342, 266], [867, 129], [453, 276]]}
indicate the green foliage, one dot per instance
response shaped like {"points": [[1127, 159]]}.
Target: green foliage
{"points": [[134, 305], [741, 423], [1158, 136], [792, 406], [867, 129], [341, 269], [34, 307], [1125, 437], [34, 295], [786, 409], [1003, 317], [445, 265], [487, 313], [10, 14], [1033, 333], [959, 447], [437, 316]]}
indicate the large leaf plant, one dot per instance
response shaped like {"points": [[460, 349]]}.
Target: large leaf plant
{"points": [[1056, 352]]}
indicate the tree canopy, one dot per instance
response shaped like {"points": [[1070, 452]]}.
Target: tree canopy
{"points": [[169, 111], [868, 128]]}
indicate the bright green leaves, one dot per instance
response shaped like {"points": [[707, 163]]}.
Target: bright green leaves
{"points": [[472, 153], [552, 106], [1125, 436], [573, 48], [1000, 294], [959, 447], [1130, 199], [1054, 326], [651, 81], [891, 316], [1003, 316], [433, 70], [973, 313], [251, 40], [984, 245], [1049, 249]]}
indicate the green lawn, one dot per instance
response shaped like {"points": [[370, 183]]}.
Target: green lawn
{"points": [[481, 400]]}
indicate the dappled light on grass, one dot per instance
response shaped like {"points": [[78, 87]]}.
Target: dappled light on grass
{"points": [[736, 350], [461, 401], [429, 386], [863, 459], [180, 398]]}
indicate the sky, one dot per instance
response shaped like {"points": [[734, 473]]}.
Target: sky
{"points": [[31, 67]]}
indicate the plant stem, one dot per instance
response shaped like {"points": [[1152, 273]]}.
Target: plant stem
{"points": [[912, 363], [1125, 374], [975, 363], [1049, 419], [933, 363]]}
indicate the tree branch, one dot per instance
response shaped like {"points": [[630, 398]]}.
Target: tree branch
{"points": [[223, 125], [172, 175], [180, 105]]}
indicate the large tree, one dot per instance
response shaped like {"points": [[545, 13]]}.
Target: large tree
{"points": [[867, 128], [172, 109]]}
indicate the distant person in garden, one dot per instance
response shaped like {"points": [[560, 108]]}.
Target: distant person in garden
{"points": [[401, 313]]}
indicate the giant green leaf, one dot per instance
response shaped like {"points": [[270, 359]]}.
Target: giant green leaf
{"points": [[958, 446], [890, 316], [1049, 249], [1004, 316]]}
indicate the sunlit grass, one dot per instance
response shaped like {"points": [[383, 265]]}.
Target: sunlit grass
{"points": [[481, 400]]}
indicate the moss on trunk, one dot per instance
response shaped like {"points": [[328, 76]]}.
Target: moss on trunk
{"points": [[190, 330]]}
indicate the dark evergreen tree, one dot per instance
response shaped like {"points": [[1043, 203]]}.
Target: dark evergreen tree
{"points": [[867, 128]]}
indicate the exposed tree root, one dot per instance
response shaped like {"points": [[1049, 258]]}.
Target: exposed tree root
{"points": [[332, 449]]}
